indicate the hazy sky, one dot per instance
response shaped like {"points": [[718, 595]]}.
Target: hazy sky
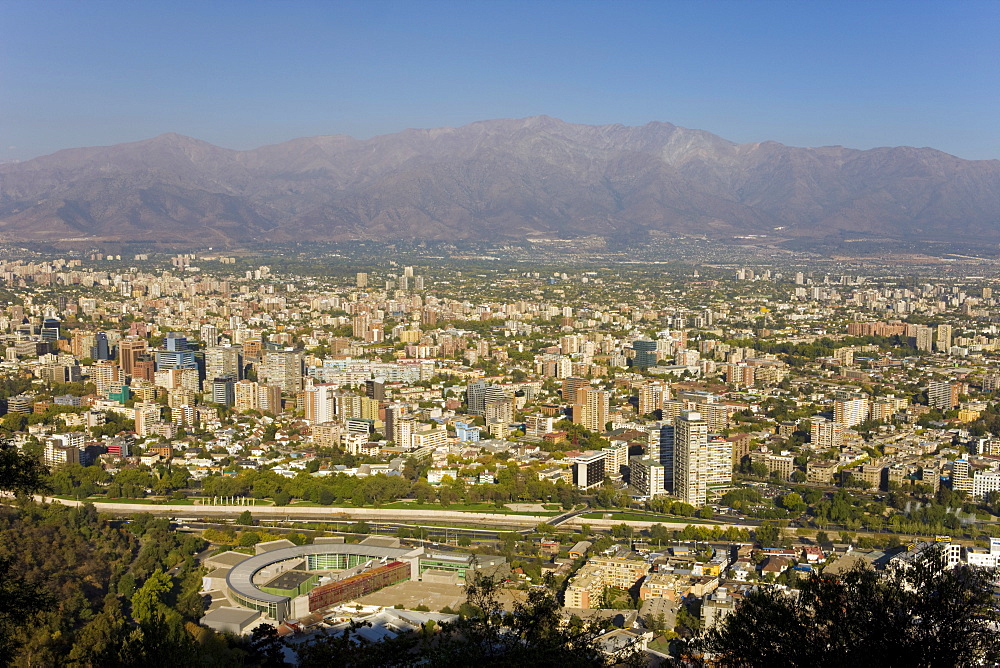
{"points": [[858, 73]]}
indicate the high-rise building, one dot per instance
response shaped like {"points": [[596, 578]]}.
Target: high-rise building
{"points": [[210, 334], [660, 448], [943, 394], [588, 470], [480, 393], [284, 369], [502, 411], [224, 362], [475, 397], [269, 398], [924, 338], [144, 367], [175, 354], [646, 476], [105, 374], [825, 434], [651, 395], [129, 350], [645, 353], [82, 345], [850, 412], [537, 425], [403, 429], [591, 408], [245, 395], [101, 350], [50, 329], [615, 459], [944, 338], [146, 414], [691, 458], [361, 280], [57, 453], [720, 462], [961, 476], [571, 386], [223, 391], [393, 412], [375, 389], [319, 402]]}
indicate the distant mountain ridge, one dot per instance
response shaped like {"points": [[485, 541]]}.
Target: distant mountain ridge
{"points": [[511, 178]]}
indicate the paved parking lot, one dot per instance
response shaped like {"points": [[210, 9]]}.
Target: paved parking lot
{"points": [[410, 594], [434, 595]]}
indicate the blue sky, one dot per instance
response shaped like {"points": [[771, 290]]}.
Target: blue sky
{"points": [[244, 74]]}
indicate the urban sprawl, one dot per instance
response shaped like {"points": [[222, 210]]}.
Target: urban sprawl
{"points": [[655, 439]]}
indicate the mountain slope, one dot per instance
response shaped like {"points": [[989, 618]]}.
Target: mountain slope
{"points": [[496, 179]]}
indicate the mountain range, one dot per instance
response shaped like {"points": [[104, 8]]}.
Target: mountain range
{"points": [[536, 177]]}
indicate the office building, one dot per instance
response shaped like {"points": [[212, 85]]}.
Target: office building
{"points": [[175, 354], [50, 330], [588, 470], [129, 351], [101, 349], [645, 353], [375, 389]]}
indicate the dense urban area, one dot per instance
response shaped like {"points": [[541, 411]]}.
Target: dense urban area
{"points": [[270, 456]]}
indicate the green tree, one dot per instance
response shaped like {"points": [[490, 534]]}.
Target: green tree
{"points": [[19, 599], [20, 473], [245, 519], [767, 534], [147, 602], [922, 615]]}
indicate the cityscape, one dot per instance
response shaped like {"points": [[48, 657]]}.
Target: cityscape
{"points": [[338, 442], [441, 334]]}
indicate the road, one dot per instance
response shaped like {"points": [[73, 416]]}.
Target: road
{"points": [[394, 516]]}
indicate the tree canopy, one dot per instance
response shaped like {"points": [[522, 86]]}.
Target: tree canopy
{"points": [[917, 614]]}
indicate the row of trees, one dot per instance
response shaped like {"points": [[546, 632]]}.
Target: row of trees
{"points": [[513, 484]]}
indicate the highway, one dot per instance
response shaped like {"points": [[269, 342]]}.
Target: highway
{"points": [[398, 517]]}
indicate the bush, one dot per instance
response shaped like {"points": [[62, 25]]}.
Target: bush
{"points": [[249, 538]]}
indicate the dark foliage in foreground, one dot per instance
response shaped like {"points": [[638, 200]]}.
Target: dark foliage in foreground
{"points": [[920, 615], [529, 635]]}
